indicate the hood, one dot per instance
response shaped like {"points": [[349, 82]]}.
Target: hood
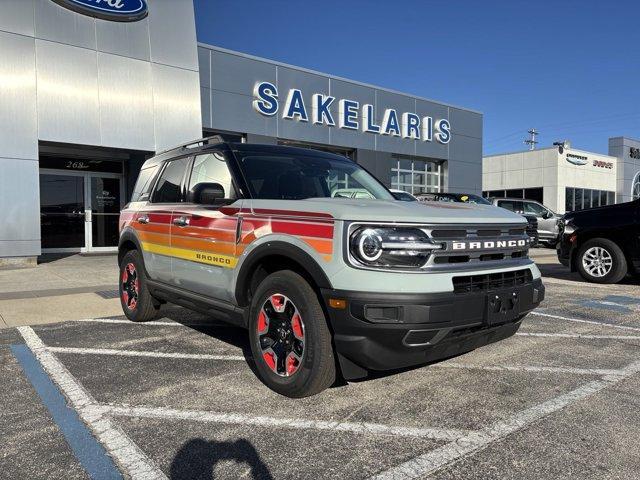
{"points": [[396, 211], [606, 212]]}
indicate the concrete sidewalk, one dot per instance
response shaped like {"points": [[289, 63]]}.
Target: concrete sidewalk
{"points": [[73, 287], [60, 288]]}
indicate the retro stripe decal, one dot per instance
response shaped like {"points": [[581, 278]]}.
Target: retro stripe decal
{"points": [[209, 258]]}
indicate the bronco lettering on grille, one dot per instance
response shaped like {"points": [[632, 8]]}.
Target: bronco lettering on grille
{"points": [[489, 244]]}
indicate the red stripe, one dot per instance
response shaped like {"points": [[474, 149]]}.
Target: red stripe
{"points": [[287, 213], [159, 217], [208, 222], [306, 229]]}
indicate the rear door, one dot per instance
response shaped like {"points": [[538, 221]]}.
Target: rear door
{"points": [[204, 237], [153, 221]]}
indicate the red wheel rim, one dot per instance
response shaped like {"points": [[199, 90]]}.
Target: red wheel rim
{"points": [[129, 286], [281, 335]]}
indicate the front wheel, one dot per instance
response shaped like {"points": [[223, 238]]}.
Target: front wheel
{"points": [[601, 261], [290, 339]]}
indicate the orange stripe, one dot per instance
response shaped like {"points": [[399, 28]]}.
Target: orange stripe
{"points": [[152, 227], [320, 246], [222, 235], [203, 245], [158, 238]]}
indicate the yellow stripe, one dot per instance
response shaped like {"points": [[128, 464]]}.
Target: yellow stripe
{"points": [[192, 255]]}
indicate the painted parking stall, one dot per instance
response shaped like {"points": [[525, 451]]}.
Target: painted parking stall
{"points": [[181, 388]]}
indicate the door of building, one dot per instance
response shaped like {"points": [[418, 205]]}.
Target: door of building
{"points": [[80, 210]]}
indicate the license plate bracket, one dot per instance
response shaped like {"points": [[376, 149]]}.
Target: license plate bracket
{"points": [[502, 307]]}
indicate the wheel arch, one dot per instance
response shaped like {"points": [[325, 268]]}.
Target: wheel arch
{"points": [[128, 241], [271, 257]]}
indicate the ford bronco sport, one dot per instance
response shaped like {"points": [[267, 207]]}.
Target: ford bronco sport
{"points": [[325, 285]]}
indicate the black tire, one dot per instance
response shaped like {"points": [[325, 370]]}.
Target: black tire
{"points": [[144, 307], [618, 264], [315, 368]]}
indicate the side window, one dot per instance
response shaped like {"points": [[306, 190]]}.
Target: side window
{"points": [[534, 209], [513, 205], [168, 187], [212, 168], [143, 184]]}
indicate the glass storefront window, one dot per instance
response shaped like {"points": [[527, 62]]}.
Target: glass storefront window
{"points": [[415, 176], [583, 198]]}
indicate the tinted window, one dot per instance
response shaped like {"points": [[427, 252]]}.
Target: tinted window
{"points": [[168, 187], [143, 184], [512, 205], [295, 177], [212, 168], [534, 209]]}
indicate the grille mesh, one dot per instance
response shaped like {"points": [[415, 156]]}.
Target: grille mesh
{"points": [[491, 281]]}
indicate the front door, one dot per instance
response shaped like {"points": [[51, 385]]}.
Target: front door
{"points": [[62, 213], [79, 211], [105, 197]]}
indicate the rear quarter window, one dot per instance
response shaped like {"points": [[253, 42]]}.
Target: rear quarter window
{"points": [[142, 188]]}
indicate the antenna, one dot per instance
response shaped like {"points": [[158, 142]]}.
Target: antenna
{"points": [[532, 141]]}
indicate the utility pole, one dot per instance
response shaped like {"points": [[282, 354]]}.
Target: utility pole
{"points": [[532, 141]]}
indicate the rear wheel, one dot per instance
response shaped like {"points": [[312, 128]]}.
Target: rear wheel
{"points": [[601, 261], [290, 338], [137, 303]]}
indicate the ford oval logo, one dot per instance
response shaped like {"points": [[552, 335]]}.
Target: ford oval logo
{"points": [[114, 10]]}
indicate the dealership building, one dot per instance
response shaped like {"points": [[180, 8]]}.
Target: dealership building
{"points": [[89, 91], [564, 178]]}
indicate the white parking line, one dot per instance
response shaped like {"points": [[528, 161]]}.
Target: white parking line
{"points": [[578, 335], [138, 353], [581, 320], [530, 368], [455, 451], [125, 452], [157, 323], [294, 423]]}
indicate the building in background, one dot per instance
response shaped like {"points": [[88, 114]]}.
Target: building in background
{"points": [[566, 179], [85, 100]]}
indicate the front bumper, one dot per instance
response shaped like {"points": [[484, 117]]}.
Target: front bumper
{"points": [[388, 331]]}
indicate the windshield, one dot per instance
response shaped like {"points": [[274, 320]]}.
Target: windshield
{"points": [[403, 196], [294, 177]]}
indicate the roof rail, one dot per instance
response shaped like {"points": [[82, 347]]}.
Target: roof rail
{"points": [[195, 143]]}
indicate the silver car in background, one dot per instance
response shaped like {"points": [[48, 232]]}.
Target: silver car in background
{"points": [[547, 218]]}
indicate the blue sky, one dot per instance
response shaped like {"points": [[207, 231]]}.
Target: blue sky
{"points": [[571, 69]]}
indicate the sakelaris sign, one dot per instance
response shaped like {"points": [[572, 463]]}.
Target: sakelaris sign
{"points": [[350, 115], [113, 10]]}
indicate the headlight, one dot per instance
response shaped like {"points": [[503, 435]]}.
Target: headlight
{"points": [[390, 247]]}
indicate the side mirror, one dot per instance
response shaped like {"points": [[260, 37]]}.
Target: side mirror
{"points": [[207, 193]]}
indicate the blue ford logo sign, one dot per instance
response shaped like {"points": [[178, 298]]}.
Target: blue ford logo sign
{"points": [[114, 10]]}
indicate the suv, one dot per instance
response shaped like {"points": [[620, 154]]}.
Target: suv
{"points": [[603, 243], [325, 285], [547, 219]]}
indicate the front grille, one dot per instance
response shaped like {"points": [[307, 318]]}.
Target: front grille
{"points": [[491, 281]]}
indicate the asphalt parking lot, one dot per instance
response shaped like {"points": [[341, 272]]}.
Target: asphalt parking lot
{"points": [[177, 398]]}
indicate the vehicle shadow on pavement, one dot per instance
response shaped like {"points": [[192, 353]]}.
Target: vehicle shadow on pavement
{"points": [[197, 458]]}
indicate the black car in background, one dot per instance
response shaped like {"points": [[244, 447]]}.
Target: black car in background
{"points": [[602, 244]]}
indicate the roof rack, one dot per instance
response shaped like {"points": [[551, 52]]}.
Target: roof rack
{"points": [[195, 143]]}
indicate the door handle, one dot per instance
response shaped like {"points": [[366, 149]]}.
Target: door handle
{"points": [[181, 221], [143, 219]]}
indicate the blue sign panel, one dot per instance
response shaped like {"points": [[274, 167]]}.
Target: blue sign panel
{"points": [[114, 10]]}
